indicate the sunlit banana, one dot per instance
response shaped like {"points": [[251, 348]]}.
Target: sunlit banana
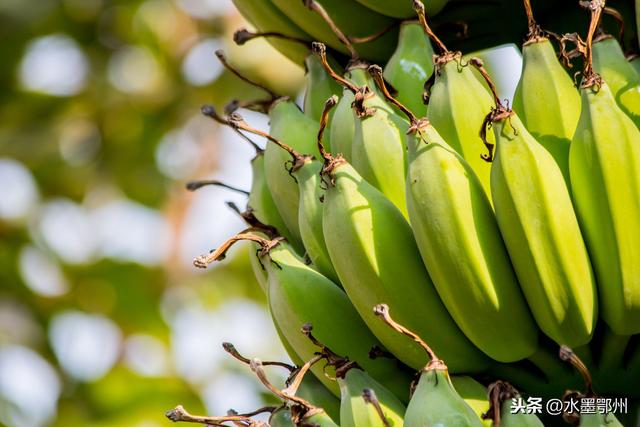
{"points": [[410, 66], [458, 103], [535, 215], [604, 162], [473, 393], [546, 99], [435, 401]]}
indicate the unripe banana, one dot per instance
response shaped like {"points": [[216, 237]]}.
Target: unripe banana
{"points": [[356, 412], [281, 417], [635, 63], [460, 244], [435, 401], [623, 80], [473, 393], [319, 87], [266, 17], [410, 66], [546, 99], [314, 391], [458, 103], [298, 294], [604, 162], [352, 18], [375, 255], [535, 215], [501, 395]]}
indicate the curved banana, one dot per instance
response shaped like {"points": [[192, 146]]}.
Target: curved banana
{"points": [[501, 394], [458, 103], [623, 80], [546, 99], [535, 215], [410, 66], [401, 9], [351, 17], [473, 393], [604, 162], [319, 87], [374, 253], [266, 17], [435, 401], [460, 244]]}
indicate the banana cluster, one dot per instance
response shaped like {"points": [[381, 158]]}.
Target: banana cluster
{"points": [[495, 234]]}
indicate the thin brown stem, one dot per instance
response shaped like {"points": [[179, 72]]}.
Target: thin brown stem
{"points": [[375, 36], [324, 120], [231, 349], [179, 414], [254, 223], [477, 62], [317, 7], [595, 7], [370, 397], [300, 373], [418, 7], [382, 311], [256, 367], [236, 121], [210, 111], [243, 35], [567, 355], [376, 73], [196, 185], [320, 50], [535, 32], [218, 254], [222, 58]]}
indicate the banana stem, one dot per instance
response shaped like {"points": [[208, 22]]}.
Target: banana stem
{"points": [[595, 7], [243, 35], [613, 349], [324, 120], [178, 414], [370, 397], [548, 364], [317, 7], [567, 355], [418, 7], [218, 254], [196, 185], [320, 50], [256, 367], [376, 73], [231, 349], [223, 60], [210, 111]]}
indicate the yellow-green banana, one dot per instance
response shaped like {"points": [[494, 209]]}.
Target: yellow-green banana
{"points": [[352, 18], [604, 162], [435, 402], [460, 244], [458, 103], [320, 86], [266, 17], [410, 66], [539, 226], [374, 253], [500, 395], [473, 393], [623, 80], [546, 99]]}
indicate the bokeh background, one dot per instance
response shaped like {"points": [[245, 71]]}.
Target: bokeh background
{"points": [[103, 319]]}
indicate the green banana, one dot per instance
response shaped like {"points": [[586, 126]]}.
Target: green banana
{"points": [[352, 18], [375, 255], [635, 62], [319, 87], [460, 244], [458, 103], [535, 215], [266, 17], [435, 401], [546, 99], [343, 121], [402, 8], [604, 162], [501, 394], [281, 417], [623, 80], [410, 66], [473, 393], [378, 148], [314, 391]]}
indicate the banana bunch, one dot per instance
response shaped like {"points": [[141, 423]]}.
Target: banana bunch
{"points": [[495, 233]]}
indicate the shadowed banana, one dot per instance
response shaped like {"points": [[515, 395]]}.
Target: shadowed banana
{"points": [[473, 393], [535, 215], [604, 161], [410, 66], [546, 99], [460, 244], [434, 401], [401, 8], [500, 395]]}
